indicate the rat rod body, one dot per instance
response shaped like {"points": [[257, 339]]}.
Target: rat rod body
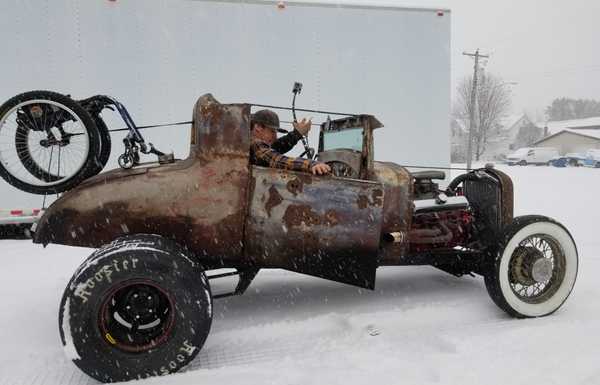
{"points": [[160, 227], [229, 213]]}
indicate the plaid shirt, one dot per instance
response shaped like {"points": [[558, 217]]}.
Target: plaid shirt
{"points": [[261, 154]]}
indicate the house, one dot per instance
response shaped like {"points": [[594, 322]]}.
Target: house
{"points": [[569, 136], [503, 139], [507, 138]]}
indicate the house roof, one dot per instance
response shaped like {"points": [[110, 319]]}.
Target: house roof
{"points": [[588, 133], [556, 126], [509, 121], [506, 122]]}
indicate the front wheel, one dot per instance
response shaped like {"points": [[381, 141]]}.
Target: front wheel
{"points": [[138, 307], [533, 269]]}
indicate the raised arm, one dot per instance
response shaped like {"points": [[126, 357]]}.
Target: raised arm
{"points": [[286, 142], [264, 155]]}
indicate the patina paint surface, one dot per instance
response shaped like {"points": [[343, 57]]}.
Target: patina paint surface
{"points": [[201, 202], [319, 225]]}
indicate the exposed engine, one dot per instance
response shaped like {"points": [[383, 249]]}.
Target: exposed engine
{"points": [[442, 222], [471, 212]]}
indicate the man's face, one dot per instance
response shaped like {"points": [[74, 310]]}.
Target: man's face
{"points": [[266, 134]]}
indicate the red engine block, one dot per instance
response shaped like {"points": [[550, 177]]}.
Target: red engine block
{"points": [[440, 230]]}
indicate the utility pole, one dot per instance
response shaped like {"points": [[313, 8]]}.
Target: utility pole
{"points": [[476, 55]]}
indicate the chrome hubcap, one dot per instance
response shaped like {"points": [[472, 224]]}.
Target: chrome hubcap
{"points": [[541, 270], [537, 268]]}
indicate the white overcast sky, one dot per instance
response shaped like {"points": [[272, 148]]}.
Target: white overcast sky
{"points": [[551, 48]]}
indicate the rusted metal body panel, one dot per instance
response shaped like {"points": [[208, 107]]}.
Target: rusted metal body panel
{"points": [[397, 209], [319, 225], [201, 202], [231, 214]]}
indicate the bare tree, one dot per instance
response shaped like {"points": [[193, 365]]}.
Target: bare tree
{"points": [[493, 103]]}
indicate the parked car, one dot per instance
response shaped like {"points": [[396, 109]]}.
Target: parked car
{"points": [[532, 155], [141, 305], [572, 159], [592, 158]]}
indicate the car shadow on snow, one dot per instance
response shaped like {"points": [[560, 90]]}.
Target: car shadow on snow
{"points": [[287, 314], [298, 296]]}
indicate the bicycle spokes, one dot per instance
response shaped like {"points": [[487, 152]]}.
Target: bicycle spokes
{"points": [[42, 142]]}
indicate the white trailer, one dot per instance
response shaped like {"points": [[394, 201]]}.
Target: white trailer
{"points": [[17, 222], [158, 56]]}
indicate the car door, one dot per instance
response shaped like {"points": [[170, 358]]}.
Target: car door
{"points": [[318, 225]]}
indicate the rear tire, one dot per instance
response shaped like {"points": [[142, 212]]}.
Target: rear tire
{"points": [[136, 308], [534, 268]]}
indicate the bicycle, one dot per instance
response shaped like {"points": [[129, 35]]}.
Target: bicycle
{"points": [[49, 142]]}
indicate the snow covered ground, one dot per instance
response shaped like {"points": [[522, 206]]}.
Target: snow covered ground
{"points": [[419, 325]]}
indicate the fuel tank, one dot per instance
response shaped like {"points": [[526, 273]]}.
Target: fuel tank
{"points": [[398, 210]]}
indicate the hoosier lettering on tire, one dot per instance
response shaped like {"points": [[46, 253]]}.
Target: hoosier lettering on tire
{"points": [[136, 308]]}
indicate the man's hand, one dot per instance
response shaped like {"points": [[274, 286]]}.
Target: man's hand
{"points": [[320, 169], [303, 126]]}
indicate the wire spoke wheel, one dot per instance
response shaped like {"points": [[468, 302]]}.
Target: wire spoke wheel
{"points": [[136, 316], [533, 268], [47, 142], [537, 268]]}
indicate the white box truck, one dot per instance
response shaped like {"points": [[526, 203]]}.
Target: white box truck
{"points": [[157, 57]]}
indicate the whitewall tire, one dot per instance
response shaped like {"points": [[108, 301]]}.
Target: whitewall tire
{"points": [[533, 269]]}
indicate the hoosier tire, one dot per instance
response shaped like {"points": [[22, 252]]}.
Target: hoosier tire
{"points": [[533, 270], [136, 308]]}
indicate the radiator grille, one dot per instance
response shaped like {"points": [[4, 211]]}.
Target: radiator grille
{"points": [[485, 197]]}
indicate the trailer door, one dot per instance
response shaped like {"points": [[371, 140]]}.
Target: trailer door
{"points": [[318, 225]]}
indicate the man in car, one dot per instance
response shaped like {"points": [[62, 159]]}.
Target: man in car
{"points": [[266, 150]]}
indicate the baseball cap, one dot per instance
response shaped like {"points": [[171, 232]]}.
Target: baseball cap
{"points": [[267, 118]]}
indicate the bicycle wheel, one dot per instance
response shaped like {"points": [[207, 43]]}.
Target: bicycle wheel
{"points": [[48, 142]]}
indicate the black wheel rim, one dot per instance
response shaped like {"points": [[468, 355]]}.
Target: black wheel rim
{"points": [[136, 316]]}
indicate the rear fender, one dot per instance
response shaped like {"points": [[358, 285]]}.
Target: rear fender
{"points": [[200, 202]]}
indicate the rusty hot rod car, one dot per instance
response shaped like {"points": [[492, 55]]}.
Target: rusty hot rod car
{"points": [[141, 304]]}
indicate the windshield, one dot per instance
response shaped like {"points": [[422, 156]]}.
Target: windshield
{"points": [[350, 138]]}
